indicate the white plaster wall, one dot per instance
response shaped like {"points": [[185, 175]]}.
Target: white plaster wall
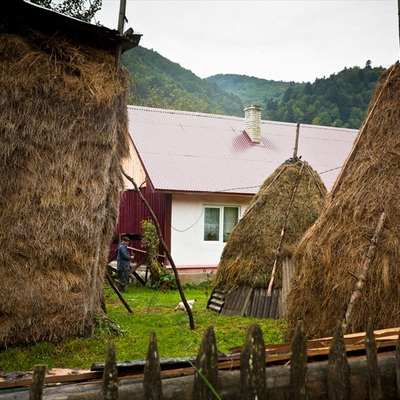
{"points": [[187, 245]]}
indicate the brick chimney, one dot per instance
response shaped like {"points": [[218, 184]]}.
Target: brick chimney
{"points": [[252, 123]]}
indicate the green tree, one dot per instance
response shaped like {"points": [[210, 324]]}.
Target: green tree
{"points": [[80, 9]]}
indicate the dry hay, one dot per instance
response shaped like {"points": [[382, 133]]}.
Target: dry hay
{"points": [[63, 129], [248, 256], [329, 257]]}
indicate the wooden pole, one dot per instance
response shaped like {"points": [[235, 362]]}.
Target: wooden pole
{"points": [[121, 21], [284, 225], [110, 281], [164, 246], [296, 145], [363, 274]]}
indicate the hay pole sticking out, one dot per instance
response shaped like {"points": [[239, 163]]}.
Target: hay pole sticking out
{"points": [[296, 144], [363, 274], [283, 230]]}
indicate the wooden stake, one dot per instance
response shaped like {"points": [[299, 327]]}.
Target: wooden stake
{"points": [[363, 274], [298, 364], [374, 376], [37, 385]]}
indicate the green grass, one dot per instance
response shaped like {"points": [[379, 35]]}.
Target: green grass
{"points": [[153, 311]]}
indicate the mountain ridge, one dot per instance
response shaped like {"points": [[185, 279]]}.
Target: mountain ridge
{"points": [[340, 100]]}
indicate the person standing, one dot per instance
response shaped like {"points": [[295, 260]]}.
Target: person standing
{"points": [[123, 263]]}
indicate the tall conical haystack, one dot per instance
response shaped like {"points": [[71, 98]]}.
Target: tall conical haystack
{"points": [[329, 258], [63, 130], [248, 256]]}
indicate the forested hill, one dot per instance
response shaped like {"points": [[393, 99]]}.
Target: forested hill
{"points": [[158, 82], [340, 100], [252, 90]]}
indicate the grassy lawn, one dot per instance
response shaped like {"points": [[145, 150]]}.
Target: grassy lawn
{"points": [[152, 311]]}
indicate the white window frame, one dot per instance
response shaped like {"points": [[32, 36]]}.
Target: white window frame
{"points": [[221, 209]]}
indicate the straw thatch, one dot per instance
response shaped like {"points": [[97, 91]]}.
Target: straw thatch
{"points": [[63, 130], [248, 256], [329, 257]]}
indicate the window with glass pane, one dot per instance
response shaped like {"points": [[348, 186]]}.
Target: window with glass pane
{"points": [[211, 223], [230, 220]]}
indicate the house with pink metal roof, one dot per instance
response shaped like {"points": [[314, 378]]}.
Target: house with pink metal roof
{"points": [[200, 171]]}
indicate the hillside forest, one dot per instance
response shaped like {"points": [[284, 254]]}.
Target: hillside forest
{"points": [[339, 100]]}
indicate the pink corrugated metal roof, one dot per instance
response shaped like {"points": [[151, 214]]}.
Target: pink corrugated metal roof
{"points": [[192, 152]]}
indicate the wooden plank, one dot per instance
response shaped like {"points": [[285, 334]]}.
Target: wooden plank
{"points": [[287, 272], [245, 301]]}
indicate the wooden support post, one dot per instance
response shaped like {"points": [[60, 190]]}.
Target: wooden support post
{"points": [[110, 281], [37, 385], [338, 371], [205, 384], [253, 383], [121, 21], [298, 364], [152, 372], [374, 379], [363, 275], [109, 386]]}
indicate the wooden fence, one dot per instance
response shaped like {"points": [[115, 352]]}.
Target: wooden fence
{"points": [[370, 376]]}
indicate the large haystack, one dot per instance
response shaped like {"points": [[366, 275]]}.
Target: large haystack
{"points": [[63, 130], [249, 255], [329, 258]]}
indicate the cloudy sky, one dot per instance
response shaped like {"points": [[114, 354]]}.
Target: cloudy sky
{"points": [[288, 40]]}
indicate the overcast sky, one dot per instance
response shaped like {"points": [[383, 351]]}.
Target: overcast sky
{"points": [[288, 40]]}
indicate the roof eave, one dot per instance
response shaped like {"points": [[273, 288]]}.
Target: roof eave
{"points": [[17, 15]]}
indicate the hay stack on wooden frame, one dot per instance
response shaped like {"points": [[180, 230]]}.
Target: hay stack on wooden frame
{"points": [[287, 204], [329, 258], [63, 130]]}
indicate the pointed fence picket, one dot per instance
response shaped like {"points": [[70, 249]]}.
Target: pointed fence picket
{"points": [[337, 378]]}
